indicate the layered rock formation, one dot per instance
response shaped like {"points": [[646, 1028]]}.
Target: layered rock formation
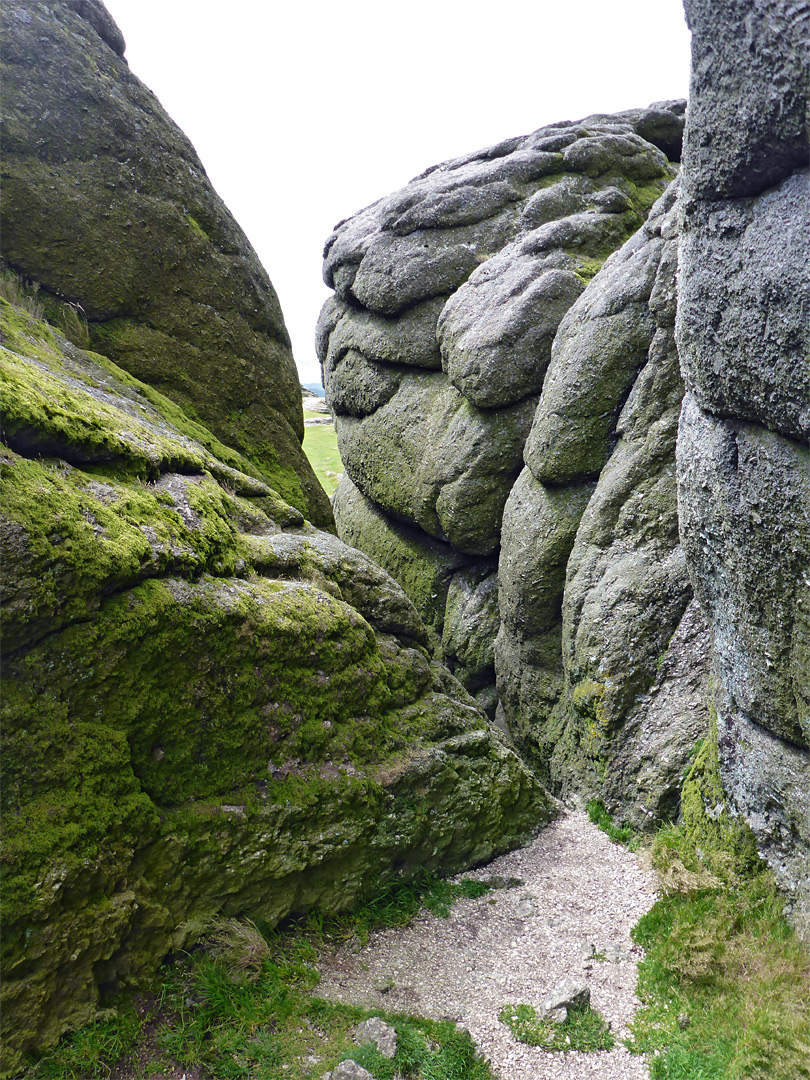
{"points": [[743, 454], [448, 297], [628, 603], [600, 654], [107, 206]]}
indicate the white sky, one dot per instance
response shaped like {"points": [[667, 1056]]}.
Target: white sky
{"points": [[304, 112]]}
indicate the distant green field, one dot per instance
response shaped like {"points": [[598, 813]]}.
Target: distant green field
{"points": [[320, 446]]}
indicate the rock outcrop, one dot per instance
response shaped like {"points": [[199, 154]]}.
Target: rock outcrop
{"points": [[743, 453], [107, 206], [448, 297], [208, 704]]}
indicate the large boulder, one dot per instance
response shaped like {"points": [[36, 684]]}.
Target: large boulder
{"points": [[448, 296], [209, 705], [743, 454], [107, 207]]}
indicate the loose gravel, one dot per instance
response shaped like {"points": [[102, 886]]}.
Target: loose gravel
{"points": [[579, 892]]}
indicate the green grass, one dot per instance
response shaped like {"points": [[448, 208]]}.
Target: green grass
{"points": [[320, 446], [725, 985], [241, 1007], [620, 834], [584, 1030]]}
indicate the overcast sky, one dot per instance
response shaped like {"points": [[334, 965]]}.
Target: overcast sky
{"points": [[303, 113]]}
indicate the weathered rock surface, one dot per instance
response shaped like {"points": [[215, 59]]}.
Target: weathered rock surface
{"points": [[743, 455], [593, 582], [208, 704], [107, 206], [470, 268]]}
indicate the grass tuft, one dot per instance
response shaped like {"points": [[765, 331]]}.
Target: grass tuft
{"points": [[619, 834], [17, 292], [725, 984], [584, 1030]]}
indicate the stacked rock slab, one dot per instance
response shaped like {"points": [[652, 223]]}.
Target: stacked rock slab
{"points": [[208, 705], [435, 346], [106, 206], [600, 653], [743, 453]]}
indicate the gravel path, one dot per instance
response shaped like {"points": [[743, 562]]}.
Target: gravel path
{"points": [[513, 946]]}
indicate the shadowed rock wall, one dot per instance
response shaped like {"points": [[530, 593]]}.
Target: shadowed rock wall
{"points": [[743, 455]]}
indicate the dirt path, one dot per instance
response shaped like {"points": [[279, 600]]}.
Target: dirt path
{"points": [[514, 945]]}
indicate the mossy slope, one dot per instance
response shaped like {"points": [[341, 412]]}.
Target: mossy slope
{"points": [[107, 206], [208, 705]]}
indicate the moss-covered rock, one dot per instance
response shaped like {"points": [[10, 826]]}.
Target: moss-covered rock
{"points": [[107, 206], [208, 704]]}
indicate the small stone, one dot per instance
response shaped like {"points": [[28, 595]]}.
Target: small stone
{"points": [[348, 1070], [569, 994], [555, 1016], [587, 950], [378, 1032]]}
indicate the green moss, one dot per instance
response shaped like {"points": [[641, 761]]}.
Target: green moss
{"points": [[73, 535], [711, 837], [195, 225]]}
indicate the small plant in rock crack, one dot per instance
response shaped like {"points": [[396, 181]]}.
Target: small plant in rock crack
{"points": [[584, 1030]]}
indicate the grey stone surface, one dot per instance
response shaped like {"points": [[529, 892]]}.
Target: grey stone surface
{"points": [[747, 97], [744, 315], [568, 995], [471, 621], [743, 455], [430, 457], [661, 729], [540, 526], [767, 781], [382, 1035], [601, 345], [424, 567], [594, 568], [348, 1070], [745, 520], [471, 266], [496, 331]]}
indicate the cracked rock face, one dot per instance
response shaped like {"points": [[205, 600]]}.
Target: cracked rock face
{"points": [[743, 455], [448, 296]]}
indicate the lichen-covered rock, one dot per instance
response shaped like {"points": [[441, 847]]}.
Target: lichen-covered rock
{"points": [[743, 454], [208, 705], [471, 267], [596, 564], [601, 346], [107, 206], [745, 517], [431, 458], [456, 595], [759, 251]]}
